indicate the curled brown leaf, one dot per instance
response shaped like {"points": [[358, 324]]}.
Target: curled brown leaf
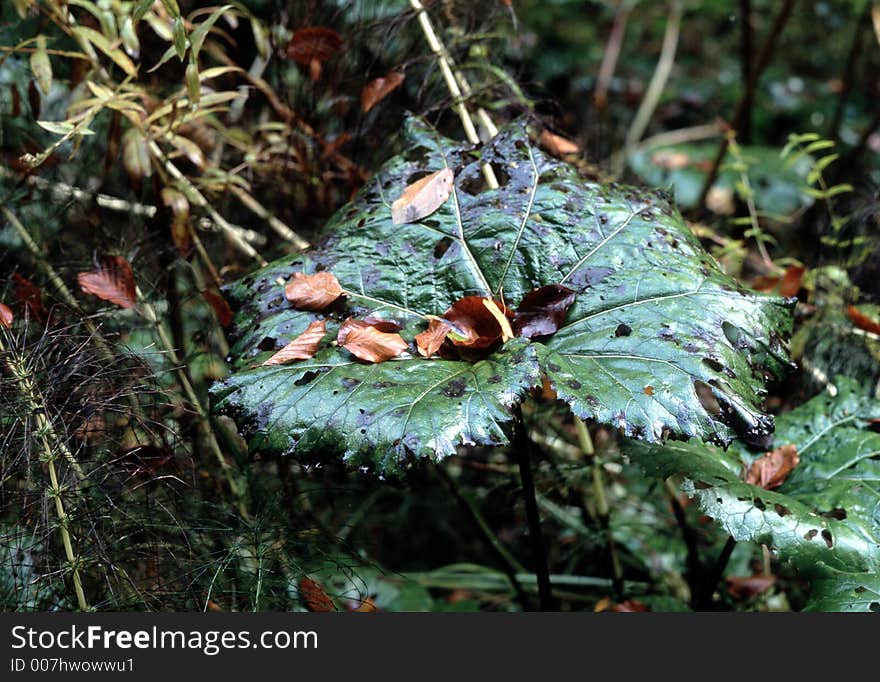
{"points": [[422, 197], [302, 347], [312, 292], [30, 296], [475, 326], [747, 586], [112, 280], [862, 321], [378, 89], [556, 144], [771, 470], [429, 341], [366, 342], [220, 306], [542, 311], [314, 597]]}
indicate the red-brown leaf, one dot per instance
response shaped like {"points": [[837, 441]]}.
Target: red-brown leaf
{"points": [[314, 597], [366, 342], [862, 321], [377, 90], [771, 470], [627, 606], [6, 316], [475, 326], [302, 347], [429, 341], [312, 292], [557, 145], [543, 311], [30, 296], [787, 285], [745, 587], [421, 198], [220, 306], [112, 280], [313, 44]]}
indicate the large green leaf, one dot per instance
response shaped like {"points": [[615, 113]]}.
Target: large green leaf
{"points": [[825, 518], [654, 321]]}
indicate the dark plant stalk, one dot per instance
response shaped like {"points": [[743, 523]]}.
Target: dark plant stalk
{"points": [[745, 59], [693, 562], [522, 451], [508, 562], [745, 101], [849, 71]]}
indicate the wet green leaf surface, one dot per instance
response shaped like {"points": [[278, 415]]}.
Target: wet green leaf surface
{"points": [[653, 321]]}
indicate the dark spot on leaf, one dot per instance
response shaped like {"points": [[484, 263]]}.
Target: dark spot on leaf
{"points": [[759, 503], [553, 367], [454, 389], [573, 384], [713, 364], [874, 607], [623, 330], [494, 379], [781, 509], [826, 536], [810, 534], [384, 384], [349, 383], [839, 514]]}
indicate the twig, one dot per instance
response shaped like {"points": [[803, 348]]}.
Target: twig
{"points": [[258, 209], [510, 565], [446, 68], [745, 100], [603, 512], [658, 82], [612, 53], [522, 450]]}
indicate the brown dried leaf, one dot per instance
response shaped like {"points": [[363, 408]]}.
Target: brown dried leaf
{"points": [[30, 296], [312, 292], [606, 605], [421, 198], [542, 311], [557, 145], [787, 285], [112, 280], [366, 342], [377, 90], [179, 206], [475, 326], [314, 597], [366, 606], [862, 321], [312, 47], [745, 587], [302, 347], [771, 470], [430, 340], [6, 316], [220, 306]]}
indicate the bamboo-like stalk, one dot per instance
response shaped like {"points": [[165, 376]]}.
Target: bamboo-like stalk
{"points": [[444, 59], [51, 445]]}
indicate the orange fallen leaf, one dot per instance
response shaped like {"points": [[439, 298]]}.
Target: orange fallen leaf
{"points": [[787, 285], [771, 470], [745, 587], [220, 306], [556, 144], [302, 347], [670, 160], [378, 89], [862, 321], [366, 342], [421, 198], [430, 340], [112, 280], [366, 606], [314, 597], [6, 316], [312, 292]]}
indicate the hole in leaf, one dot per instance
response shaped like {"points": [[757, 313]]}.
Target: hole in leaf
{"points": [[827, 537], [306, 378], [707, 398], [441, 247], [837, 513], [623, 330], [874, 606], [713, 364], [268, 343], [759, 503]]}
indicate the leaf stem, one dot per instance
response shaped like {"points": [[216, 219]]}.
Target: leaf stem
{"points": [[522, 450]]}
